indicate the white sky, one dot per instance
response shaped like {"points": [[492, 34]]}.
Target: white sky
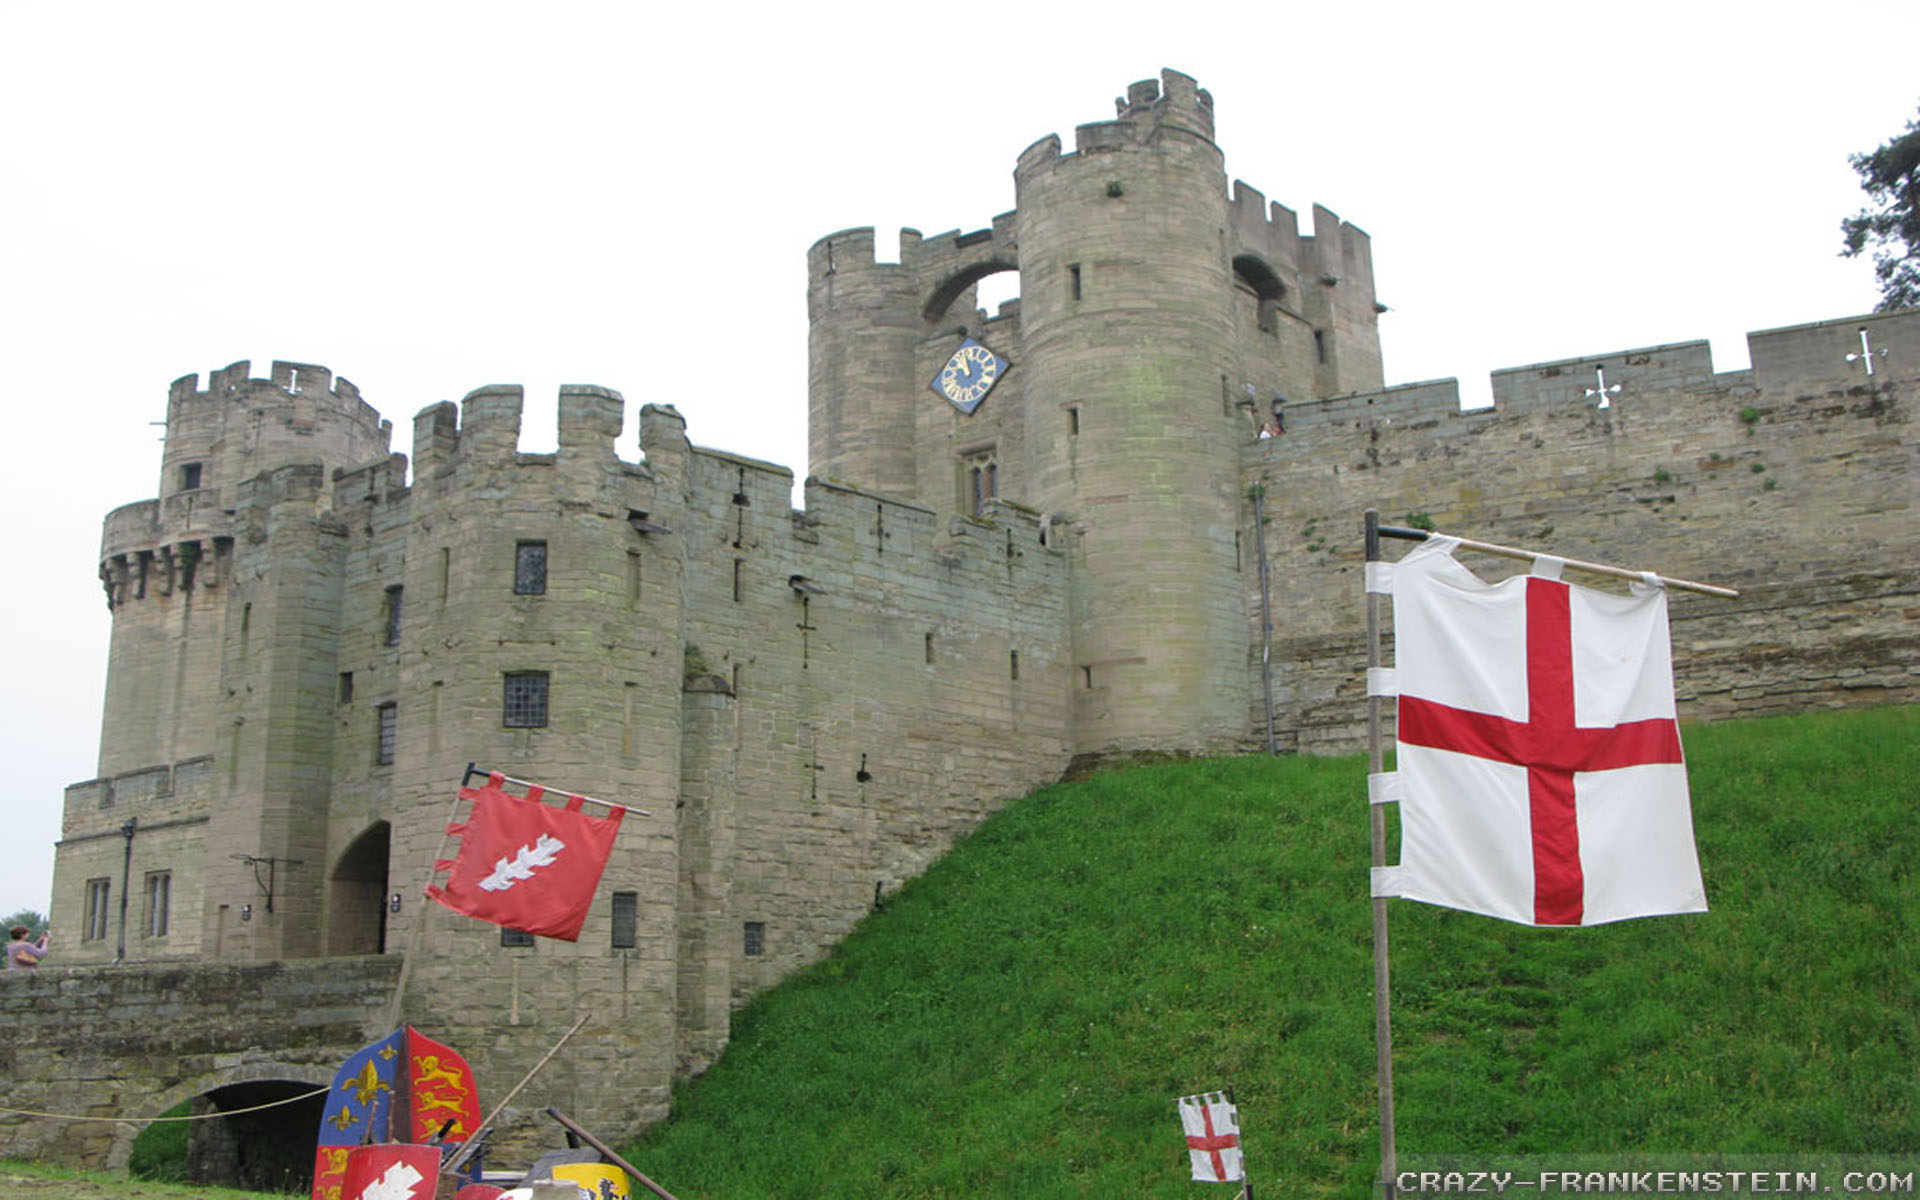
{"points": [[429, 197]]}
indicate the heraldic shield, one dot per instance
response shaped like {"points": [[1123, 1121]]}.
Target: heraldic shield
{"points": [[429, 1084], [603, 1181], [393, 1171]]}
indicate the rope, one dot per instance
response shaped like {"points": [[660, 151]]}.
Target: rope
{"points": [[229, 1112]]}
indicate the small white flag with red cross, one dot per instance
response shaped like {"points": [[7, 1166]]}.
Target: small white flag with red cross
{"points": [[1213, 1137]]}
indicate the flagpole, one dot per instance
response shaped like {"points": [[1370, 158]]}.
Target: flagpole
{"points": [[473, 770], [394, 1006], [1377, 819], [466, 1150], [1377, 531]]}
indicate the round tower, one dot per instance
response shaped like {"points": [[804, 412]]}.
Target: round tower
{"points": [[167, 563], [1126, 300], [864, 323]]}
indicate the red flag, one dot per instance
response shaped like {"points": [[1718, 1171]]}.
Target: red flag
{"points": [[524, 864]]}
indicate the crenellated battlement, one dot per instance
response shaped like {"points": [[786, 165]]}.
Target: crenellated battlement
{"points": [[1795, 361], [296, 379], [850, 251]]}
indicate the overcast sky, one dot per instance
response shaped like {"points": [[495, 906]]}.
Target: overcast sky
{"points": [[431, 197]]}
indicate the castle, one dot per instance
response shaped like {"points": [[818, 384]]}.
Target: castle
{"points": [[1119, 516]]}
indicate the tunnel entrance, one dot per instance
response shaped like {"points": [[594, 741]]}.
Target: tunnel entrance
{"points": [[266, 1150]]}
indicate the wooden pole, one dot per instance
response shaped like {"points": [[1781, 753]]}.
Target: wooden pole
{"points": [[1382, 1017], [607, 1153], [1593, 568], [395, 1006], [465, 1152]]}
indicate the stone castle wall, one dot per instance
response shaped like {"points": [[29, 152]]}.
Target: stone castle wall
{"points": [[84, 1041], [1796, 481], [810, 706]]}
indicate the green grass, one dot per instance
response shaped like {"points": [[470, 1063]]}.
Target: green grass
{"points": [[1019, 1021], [18, 1178]]}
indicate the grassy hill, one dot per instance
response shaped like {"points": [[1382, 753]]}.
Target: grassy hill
{"points": [[1019, 1021]]}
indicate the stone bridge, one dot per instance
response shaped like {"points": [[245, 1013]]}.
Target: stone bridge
{"points": [[136, 1040]]}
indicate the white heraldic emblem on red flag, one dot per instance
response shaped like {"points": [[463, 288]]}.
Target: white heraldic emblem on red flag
{"points": [[525, 864], [1213, 1137], [1539, 774]]}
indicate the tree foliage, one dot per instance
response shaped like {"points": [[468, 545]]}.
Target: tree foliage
{"points": [[33, 920], [1890, 175]]}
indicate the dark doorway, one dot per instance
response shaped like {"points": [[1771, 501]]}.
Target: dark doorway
{"points": [[267, 1150], [357, 895]]}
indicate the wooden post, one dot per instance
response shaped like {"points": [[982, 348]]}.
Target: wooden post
{"points": [[1376, 761], [607, 1153]]}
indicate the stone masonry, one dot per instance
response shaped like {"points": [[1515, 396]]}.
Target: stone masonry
{"points": [[313, 637]]}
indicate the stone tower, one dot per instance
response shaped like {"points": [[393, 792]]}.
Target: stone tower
{"points": [[222, 674], [1161, 321]]}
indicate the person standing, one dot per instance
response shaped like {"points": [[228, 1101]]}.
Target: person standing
{"points": [[23, 955]]}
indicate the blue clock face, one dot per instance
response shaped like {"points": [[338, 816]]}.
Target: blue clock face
{"points": [[968, 375]]}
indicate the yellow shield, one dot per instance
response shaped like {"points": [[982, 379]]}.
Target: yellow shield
{"points": [[602, 1181]]}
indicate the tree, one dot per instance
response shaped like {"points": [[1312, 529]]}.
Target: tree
{"points": [[28, 917], [1890, 176]]}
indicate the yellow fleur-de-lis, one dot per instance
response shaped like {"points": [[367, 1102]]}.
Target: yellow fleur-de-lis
{"points": [[366, 1085]]}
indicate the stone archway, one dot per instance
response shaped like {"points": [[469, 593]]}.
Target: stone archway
{"points": [[268, 1148], [942, 297]]}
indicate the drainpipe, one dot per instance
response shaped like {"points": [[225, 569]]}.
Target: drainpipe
{"points": [[1259, 494], [126, 878]]}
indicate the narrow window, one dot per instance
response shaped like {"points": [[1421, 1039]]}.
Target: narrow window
{"points": [[1086, 676], [1073, 421], [1319, 345], [515, 937], [393, 615], [446, 571], [346, 687], [524, 705], [190, 476], [95, 927], [626, 920], [386, 722], [634, 578], [159, 900], [929, 647], [530, 569], [1013, 664], [980, 479], [754, 935], [739, 579], [1073, 280]]}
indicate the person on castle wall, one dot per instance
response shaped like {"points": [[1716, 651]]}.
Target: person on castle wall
{"points": [[23, 955]]}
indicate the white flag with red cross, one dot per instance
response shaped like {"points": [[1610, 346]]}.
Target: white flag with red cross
{"points": [[1539, 771], [1213, 1137]]}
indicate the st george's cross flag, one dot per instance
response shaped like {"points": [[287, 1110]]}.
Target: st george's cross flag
{"points": [[525, 864], [1212, 1126], [1539, 770]]}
